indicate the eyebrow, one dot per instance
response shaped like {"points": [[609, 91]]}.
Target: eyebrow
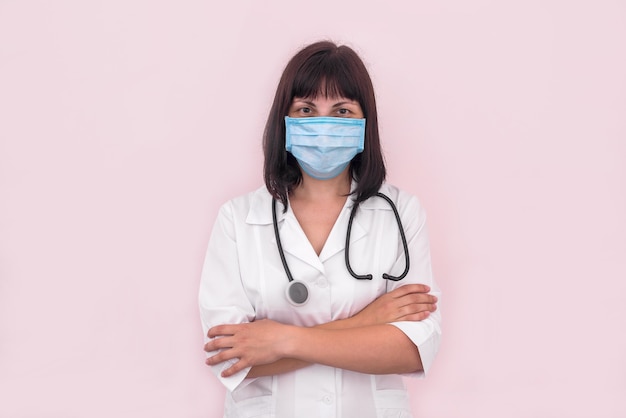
{"points": [[345, 103], [309, 103]]}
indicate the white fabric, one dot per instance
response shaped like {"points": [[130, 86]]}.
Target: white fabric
{"points": [[243, 279]]}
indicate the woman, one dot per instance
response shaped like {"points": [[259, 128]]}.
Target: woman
{"points": [[290, 331]]}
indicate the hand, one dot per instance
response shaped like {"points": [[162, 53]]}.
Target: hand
{"points": [[254, 343], [410, 302]]}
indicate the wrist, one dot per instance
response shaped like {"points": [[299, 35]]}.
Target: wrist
{"points": [[292, 337], [356, 321], [345, 323]]}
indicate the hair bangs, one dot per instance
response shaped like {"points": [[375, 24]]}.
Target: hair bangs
{"points": [[325, 77]]}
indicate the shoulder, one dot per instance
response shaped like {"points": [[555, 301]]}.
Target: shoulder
{"points": [[407, 204], [400, 197], [252, 207]]}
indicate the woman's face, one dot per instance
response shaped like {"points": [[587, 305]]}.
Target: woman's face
{"points": [[340, 107]]}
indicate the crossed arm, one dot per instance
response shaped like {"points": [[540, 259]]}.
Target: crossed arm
{"points": [[364, 343]]}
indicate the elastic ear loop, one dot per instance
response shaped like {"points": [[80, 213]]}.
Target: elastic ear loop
{"points": [[402, 235]]}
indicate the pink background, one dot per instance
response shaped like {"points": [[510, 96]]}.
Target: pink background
{"points": [[125, 124]]}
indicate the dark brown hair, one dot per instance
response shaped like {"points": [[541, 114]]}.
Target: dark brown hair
{"points": [[333, 71]]}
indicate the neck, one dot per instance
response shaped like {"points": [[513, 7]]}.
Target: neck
{"points": [[310, 188]]}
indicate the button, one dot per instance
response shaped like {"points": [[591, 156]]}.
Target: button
{"points": [[322, 282], [327, 399]]}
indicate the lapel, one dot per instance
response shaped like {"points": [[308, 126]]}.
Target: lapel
{"points": [[360, 226], [292, 237], [336, 240]]}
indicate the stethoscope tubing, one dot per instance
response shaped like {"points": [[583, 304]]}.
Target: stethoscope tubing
{"points": [[297, 292], [402, 236], [278, 242]]}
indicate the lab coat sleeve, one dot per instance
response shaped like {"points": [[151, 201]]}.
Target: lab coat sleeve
{"points": [[222, 297], [426, 334]]}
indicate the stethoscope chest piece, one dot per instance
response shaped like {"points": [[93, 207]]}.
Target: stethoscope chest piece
{"points": [[297, 292]]}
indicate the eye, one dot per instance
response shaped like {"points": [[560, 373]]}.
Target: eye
{"points": [[305, 110], [343, 112]]}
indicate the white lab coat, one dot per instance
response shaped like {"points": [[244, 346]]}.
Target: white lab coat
{"points": [[243, 279]]}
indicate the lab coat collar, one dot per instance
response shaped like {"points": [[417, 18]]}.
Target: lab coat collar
{"points": [[260, 212], [336, 241], [293, 238], [377, 203]]}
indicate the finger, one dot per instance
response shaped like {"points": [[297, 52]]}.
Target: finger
{"points": [[412, 301], [218, 343], [417, 298], [221, 330], [410, 288], [220, 357], [425, 307], [213, 360], [416, 317], [411, 309], [415, 308], [235, 368], [421, 307]]}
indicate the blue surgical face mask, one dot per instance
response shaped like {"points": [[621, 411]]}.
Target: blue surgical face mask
{"points": [[324, 146]]}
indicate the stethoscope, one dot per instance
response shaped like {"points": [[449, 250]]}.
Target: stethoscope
{"points": [[297, 291]]}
